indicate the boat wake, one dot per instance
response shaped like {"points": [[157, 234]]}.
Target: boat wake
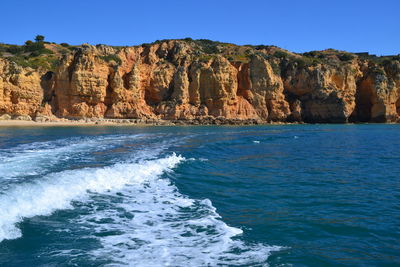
{"points": [[136, 213]]}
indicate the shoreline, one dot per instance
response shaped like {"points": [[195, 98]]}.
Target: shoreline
{"points": [[130, 122], [143, 123], [137, 122]]}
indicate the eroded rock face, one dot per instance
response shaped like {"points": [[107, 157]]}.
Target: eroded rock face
{"points": [[80, 84], [267, 91], [326, 94], [20, 90], [177, 79]]}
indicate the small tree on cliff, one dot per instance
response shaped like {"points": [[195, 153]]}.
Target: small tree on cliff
{"points": [[39, 38]]}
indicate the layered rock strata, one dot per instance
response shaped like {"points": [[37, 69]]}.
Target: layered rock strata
{"points": [[195, 81]]}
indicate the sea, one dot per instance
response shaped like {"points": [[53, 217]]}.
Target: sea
{"points": [[273, 195]]}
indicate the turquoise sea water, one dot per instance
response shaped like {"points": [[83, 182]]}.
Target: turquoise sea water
{"points": [[293, 195]]}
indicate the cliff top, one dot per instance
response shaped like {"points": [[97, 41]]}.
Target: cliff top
{"points": [[46, 56]]}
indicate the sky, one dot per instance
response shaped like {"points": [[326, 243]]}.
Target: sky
{"points": [[304, 25]]}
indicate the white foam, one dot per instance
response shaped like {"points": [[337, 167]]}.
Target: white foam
{"points": [[155, 225], [36, 157], [57, 190], [152, 223], [256, 142]]}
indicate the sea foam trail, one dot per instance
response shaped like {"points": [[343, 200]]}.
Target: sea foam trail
{"points": [[156, 225], [37, 157], [151, 224], [57, 190]]}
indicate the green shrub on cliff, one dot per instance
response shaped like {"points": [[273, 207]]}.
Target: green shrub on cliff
{"points": [[281, 54], [29, 49], [239, 58], [330, 56], [205, 58], [208, 46], [15, 49], [39, 38], [275, 68], [36, 49], [301, 60], [346, 56], [261, 47], [44, 62], [112, 57]]}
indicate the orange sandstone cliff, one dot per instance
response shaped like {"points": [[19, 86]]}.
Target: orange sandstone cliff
{"points": [[202, 80]]}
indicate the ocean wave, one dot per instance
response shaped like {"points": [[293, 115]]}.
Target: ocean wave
{"points": [[57, 190]]}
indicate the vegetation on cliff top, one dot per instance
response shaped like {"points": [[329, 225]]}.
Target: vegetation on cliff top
{"points": [[112, 57], [40, 54], [37, 54]]}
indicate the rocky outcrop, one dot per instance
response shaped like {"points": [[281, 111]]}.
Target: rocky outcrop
{"points": [[324, 93], [20, 90], [200, 80], [378, 94]]}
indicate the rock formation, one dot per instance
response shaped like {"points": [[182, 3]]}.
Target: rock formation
{"points": [[199, 79]]}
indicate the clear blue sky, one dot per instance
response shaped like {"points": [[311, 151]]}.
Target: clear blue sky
{"points": [[302, 25]]}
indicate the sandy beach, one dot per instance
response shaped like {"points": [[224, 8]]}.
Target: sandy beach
{"points": [[130, 122], [12, 123]]}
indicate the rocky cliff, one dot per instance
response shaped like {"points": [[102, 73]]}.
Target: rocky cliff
{"points": [[199, 79]]}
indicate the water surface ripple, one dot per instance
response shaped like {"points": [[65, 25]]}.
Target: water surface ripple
{"points": [[290, 195]]}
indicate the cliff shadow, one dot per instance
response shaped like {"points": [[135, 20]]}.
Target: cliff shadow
{"points": [[243, 79], [363, 108], [398, 109], [108, 100], [47, 82]]}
